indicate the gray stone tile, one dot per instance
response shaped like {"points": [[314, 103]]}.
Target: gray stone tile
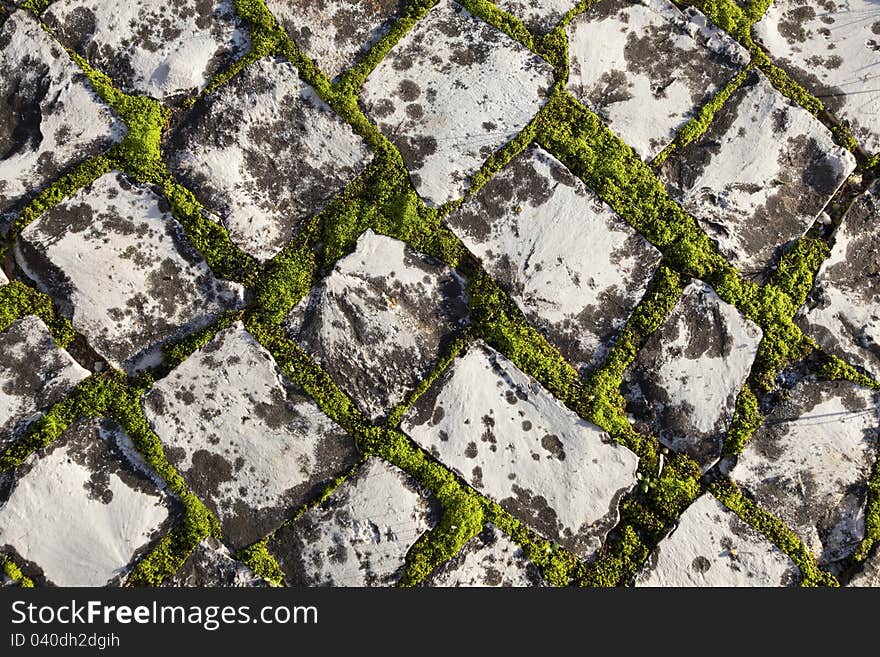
{"points": [[511, 440], [212, 565]]}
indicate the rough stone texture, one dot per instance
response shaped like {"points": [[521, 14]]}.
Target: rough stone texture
{"points": [[646, 68], [809, 462], [336, 33], [3, 279], [711, 546], [869, 575], [212, 565], [540, 16], [121, 269], [263, 153], [843, 311], [450, 93], [246, 441], [50, 117], [515, 443], [684, 382], [759, 176], [573, 266], [360, 535], [34, 375], [833, 48], [79, 512], [379, 321], [490, 559], [160, 48]]}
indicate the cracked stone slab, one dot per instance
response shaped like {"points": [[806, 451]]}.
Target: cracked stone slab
{"points": [[250, 444], [684, 382], [450, 93], [833, 49], [379, 322], [79, 512], [336, 33], [539, 16], [164, 49], [489, 559], [50, 117], [842, 312], [869, 575], [646, 68], [263, 153], [809, 462], [712, 546], [360, 535], [212, 565], [574, 267], [35, 374], [759, 176], [120, 267], [511, 440]]}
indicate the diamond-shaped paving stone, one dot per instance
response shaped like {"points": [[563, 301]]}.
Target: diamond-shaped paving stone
{"points": [[843, 311], [490, 559], [712, 546], [646, 68], [510, 439], [212, 565], [159, 48], [360, 535], [121, 269], [50, 117], [759, 176], [869, 575], [684, 382], [251, 445], [336, 33], [264, 153], [79, 512], [34, 375], [572, 265], [809, 462], [379, 321], [453, 91], [539, 16], [832, 48]]}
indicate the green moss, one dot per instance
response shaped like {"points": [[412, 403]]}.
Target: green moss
{"points": [[507, 23], [258, 558], [18, 300], [698, 125]]}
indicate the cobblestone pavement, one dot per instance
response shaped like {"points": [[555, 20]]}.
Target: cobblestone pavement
{"points": [[435, 293]]}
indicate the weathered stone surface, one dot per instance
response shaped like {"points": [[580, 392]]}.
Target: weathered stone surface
{"points": [[759, 176], [378, 323], [684, 382], [159, 48], [490, 559], [247, 442], [79, 513], [3, 279], [263, 153], [453, 91], [869, 575], [832, 49], [809, 463], [212, 565], [336, 33], [842, 312], [510, 439], [540, 16], [34, 375], [50, 117], [711, 546], [646, 68], [360, 535], [573, 266], [121, 269]]}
